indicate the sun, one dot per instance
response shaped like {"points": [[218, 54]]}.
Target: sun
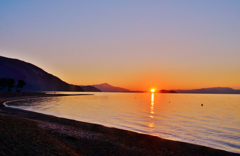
{"points": [[152, 90]]}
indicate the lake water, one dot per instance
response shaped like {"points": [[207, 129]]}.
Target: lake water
{"points": [[172, 116]]}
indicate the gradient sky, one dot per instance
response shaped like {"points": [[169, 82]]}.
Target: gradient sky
{"points": [[136, 44]]}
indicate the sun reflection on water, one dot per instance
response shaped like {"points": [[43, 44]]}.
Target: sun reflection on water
{"points": [[151, 125]]}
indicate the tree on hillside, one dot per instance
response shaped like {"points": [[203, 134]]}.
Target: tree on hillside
{"points": [[7, 84], [3, 84], [20, 85], [10, 84]]}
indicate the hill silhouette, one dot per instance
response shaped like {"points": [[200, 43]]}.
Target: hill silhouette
{"points": [[214, 90], [105, 87], [36, 78], [90, 89]]}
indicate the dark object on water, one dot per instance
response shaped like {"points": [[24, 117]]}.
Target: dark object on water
{"points": [[201, 104]]}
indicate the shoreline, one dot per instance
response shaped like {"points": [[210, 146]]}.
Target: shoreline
{"points": [[81, 138]]}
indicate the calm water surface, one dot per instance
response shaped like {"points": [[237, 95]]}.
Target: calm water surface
{"points": [[172, 116]]}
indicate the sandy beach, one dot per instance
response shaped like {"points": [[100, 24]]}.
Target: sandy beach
{"points": [[29, 133]]}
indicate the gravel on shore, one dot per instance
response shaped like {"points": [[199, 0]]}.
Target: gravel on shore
{"points": [[29, 133]]}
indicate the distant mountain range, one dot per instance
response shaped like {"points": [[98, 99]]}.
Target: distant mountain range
{"points": [[214, 90], [90, 89], [104, 87], [36, 79]]}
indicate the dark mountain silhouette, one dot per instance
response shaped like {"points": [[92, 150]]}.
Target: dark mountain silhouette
{"points": [[36, 79], [90, 89], [214, 90], [104, 87], [167, 91]]}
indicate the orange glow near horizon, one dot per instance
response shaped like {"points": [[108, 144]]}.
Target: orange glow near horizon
{"points": [[152, 90]]}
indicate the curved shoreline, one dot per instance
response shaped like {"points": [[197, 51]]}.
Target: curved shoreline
{"points": [[93, 139]]}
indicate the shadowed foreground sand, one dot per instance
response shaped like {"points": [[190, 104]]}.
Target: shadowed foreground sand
{"points": [[28, 133]]}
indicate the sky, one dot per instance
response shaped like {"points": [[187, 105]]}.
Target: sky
{"points": [[137, 44]]}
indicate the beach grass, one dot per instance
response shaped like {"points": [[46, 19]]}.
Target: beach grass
{"points": [[29, 133]]}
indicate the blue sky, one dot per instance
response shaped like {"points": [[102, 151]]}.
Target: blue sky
{"points": [[133, 44]]}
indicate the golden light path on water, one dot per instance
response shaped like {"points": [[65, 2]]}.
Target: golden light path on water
{"points": [[152, 107]]}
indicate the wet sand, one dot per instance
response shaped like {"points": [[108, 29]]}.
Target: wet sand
{"points": [[29, 133]]}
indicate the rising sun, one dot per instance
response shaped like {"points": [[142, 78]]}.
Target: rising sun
{"points": [[152, 90]]}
